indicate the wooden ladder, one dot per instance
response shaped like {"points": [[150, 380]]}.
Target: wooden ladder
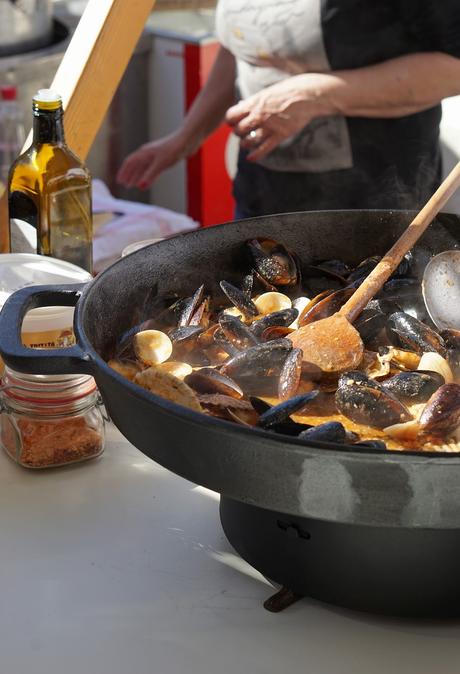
{"points": [[90, 72]]}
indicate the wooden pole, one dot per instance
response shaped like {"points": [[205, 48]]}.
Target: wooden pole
{"points": [[90, 72]]}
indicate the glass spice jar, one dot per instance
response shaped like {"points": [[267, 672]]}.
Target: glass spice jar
{"points": [[50, 420]]}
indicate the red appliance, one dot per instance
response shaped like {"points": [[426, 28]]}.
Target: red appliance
{"points": [[184, 49]]}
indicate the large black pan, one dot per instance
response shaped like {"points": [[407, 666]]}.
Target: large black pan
{"points": [[254, 467]]}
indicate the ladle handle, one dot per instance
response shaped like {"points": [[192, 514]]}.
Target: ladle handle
{"points": [[387, 265]]}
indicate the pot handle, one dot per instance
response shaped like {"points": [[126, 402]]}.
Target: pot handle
{"points": [[68, 360]]}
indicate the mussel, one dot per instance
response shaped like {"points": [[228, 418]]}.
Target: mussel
{"points": [[273, 262], [236, 332], [282, 318], [368, 403], [441, 414], [283, 410], [239, 299], [209, 380], [408, 332], [290, 374], [413, 387], [258, 368], [330, 431]]}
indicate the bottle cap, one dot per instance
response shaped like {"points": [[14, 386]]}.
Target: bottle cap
{"points": [[8, 92], [47, 99]]}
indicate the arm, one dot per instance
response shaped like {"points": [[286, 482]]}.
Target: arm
{"points": [[208, 110], [394, 88]]}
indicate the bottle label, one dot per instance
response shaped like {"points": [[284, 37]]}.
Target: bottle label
{"points": [[23, 222], [23, 236]]}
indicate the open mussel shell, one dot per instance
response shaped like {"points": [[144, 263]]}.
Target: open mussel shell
{"points": [[259, 360], [239, 299], [184, 334], [258, 368], [368, 403], [189, 307], [273, 262], [281, 319], [326, 307], [369, 323], [363, 269], [209, 380], [236, 332]]}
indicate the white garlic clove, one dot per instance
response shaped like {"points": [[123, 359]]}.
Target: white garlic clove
{"points": [[270, 302], [152, 346], [300, 303], [406, 431], [434, 362]]}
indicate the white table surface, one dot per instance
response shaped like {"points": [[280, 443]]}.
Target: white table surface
{"points": [[119, 567]]}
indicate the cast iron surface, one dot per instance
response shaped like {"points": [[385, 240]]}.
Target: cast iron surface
{"points": [[274, 472], [400, 572]]}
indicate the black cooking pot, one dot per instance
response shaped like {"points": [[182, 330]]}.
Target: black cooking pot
{"points": [[385, 523]]}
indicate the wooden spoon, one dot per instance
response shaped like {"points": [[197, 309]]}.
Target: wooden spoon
{"points": [[333, 343]]}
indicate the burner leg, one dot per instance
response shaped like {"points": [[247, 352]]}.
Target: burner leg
{"points": [[281, 600]]}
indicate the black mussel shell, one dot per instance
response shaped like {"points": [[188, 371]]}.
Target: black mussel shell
{"points": [[221, 341], [369, 404], [363, 269], [451, 339], [290, 374], [414, 386], [259, 360], [325, 307], [273, 262], [369, 323], [441, 414], [189, 306], [185, 333], [237, 332], [330, 431], [357, 378], [239, 299], [209, 380], [407, 332], [372, 444], [282, 318], [283, 410]]}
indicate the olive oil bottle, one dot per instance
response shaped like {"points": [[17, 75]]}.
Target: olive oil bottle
{"points": [[49, 191]]}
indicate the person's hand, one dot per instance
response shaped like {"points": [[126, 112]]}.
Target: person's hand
{"points": [[144, 165], [276, 113]]}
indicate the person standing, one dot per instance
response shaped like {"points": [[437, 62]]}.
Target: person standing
{"points": [[336, 103]]}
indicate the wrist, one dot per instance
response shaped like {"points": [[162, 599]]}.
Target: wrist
{"points": [[187, 142], [320, 93]]}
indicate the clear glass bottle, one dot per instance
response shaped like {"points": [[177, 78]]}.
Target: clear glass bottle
{"points": [[49, 191], [12, 135], [48, 421]]}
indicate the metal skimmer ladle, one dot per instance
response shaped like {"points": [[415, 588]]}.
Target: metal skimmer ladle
{"points": [[441, 289], [333, 343]]}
